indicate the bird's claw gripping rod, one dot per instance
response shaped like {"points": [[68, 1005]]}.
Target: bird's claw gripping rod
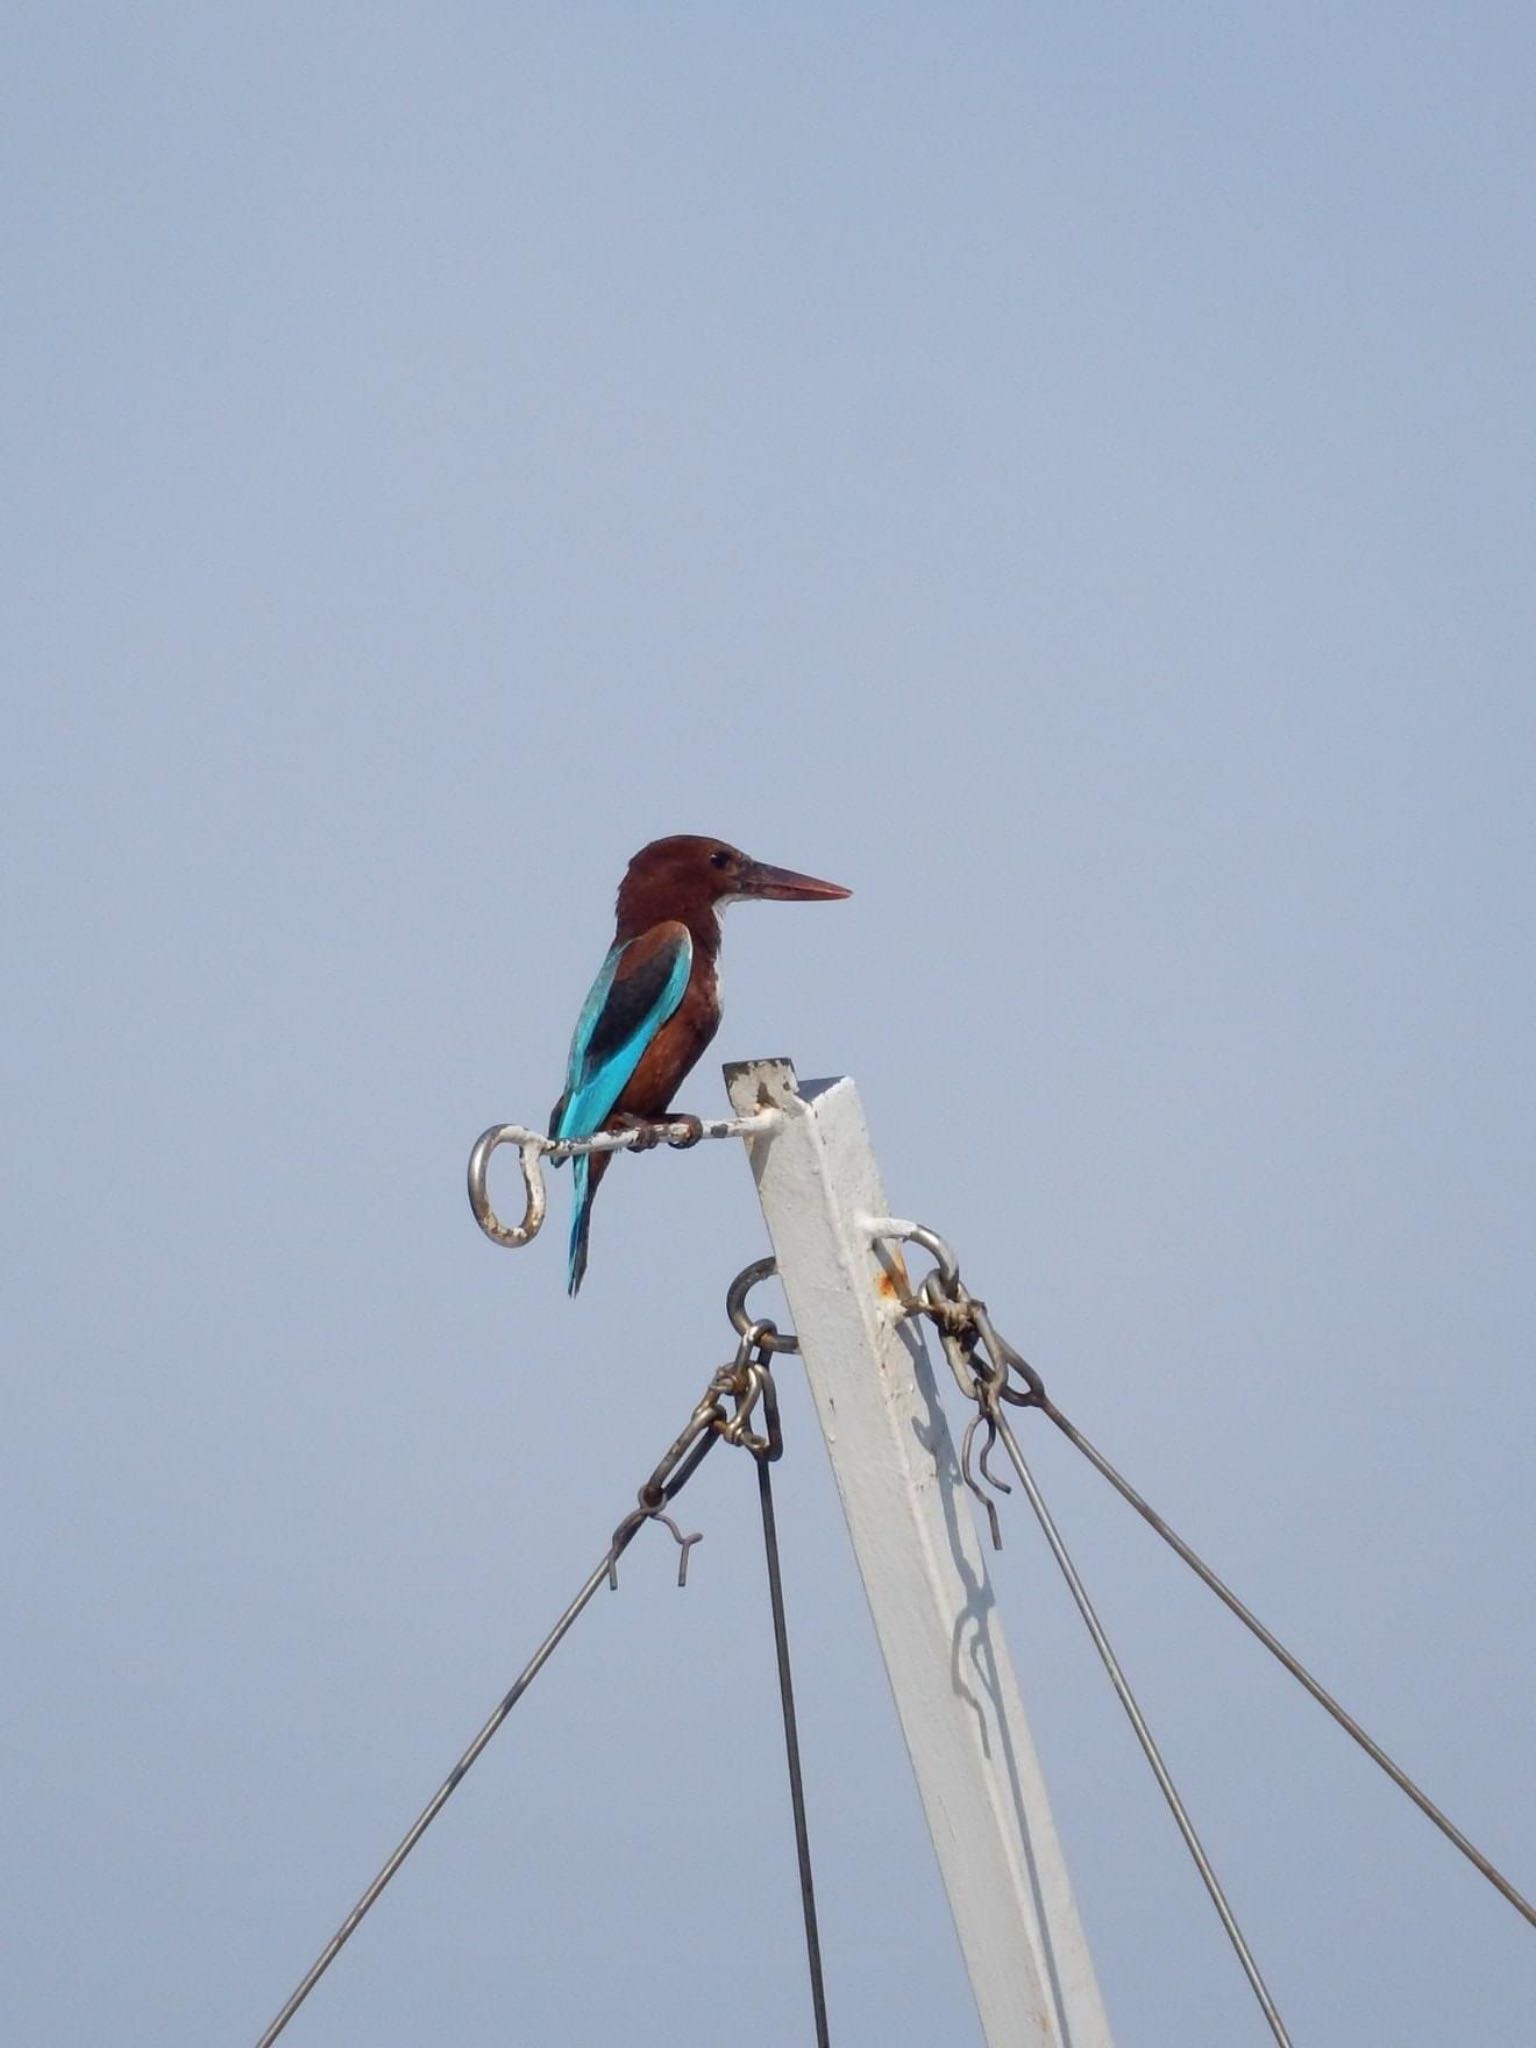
{"points": [[534, 1147]]}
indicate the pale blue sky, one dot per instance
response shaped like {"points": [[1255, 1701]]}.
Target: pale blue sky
{"points": [[1064, 472]]}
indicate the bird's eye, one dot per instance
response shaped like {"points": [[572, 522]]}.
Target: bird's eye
{"points": [[720, 860]]}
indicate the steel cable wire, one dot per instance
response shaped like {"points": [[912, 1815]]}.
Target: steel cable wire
{"points": [[1285, 1657], [792, 1753], [1143, 1733], [670, 1476], [964, 1327]]}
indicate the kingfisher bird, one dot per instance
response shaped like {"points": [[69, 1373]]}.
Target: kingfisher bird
{"points": [[655, 1004]]}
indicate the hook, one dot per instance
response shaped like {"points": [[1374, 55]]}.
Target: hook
{"points": [[968, 1473], [627, 1528], [736, 1307]]}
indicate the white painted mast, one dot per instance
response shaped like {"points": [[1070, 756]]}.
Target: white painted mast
{"points": [[923, 1567]]}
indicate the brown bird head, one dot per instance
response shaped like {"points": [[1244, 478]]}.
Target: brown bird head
{"points": [[688, 877]]}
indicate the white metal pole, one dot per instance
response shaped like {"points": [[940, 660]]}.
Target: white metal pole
{"points": [[923, 1569]]}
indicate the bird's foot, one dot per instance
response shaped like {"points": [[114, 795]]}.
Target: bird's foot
{"points": [[692, 1135], [651, 1131]]}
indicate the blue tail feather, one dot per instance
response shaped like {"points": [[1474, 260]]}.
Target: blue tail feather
{"points": [[581, 1218]]}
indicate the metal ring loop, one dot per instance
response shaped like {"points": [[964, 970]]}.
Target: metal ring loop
{"points": [[898, 1230], [736, 1305], [948, 1266], [530, 1146]]}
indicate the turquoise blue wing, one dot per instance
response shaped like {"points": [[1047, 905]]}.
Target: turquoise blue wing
{"points": [[638, 987]]}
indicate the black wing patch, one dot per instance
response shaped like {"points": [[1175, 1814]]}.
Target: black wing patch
{"points": [[633, 997]]}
